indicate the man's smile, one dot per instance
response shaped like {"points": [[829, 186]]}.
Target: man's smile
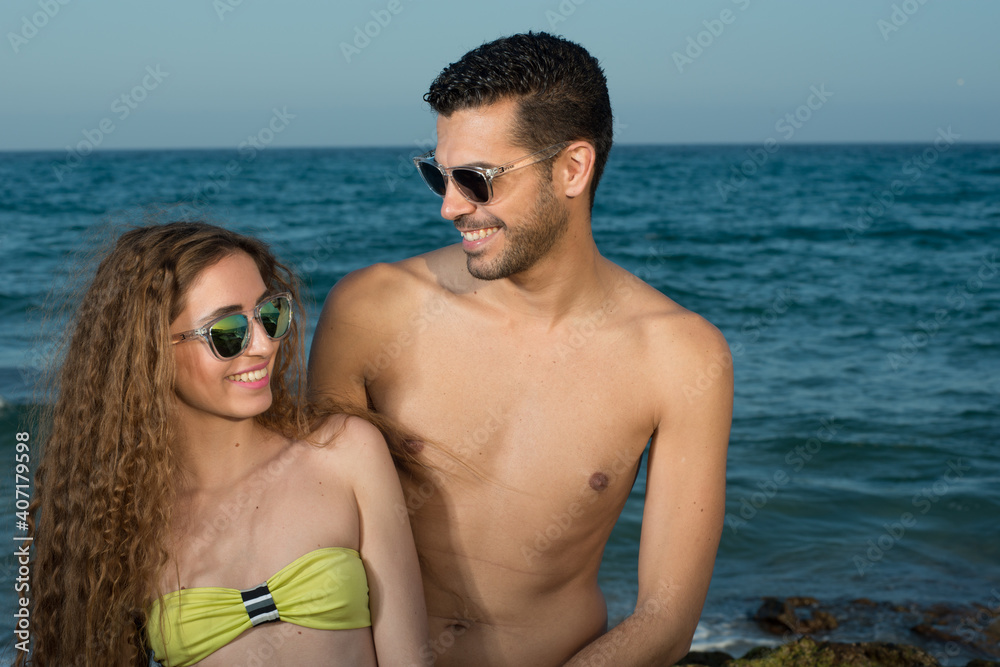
{"points": [[477, 234]]}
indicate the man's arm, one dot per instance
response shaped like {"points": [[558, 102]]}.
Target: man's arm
{"points": [[352, 329], [348, 331], [685, 501]]}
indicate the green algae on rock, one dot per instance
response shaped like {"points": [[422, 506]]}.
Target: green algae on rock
{"points": [[806, 651]]}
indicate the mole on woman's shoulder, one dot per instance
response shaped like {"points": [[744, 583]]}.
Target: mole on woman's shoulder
{"points": [[598, 481], [413, 446]]}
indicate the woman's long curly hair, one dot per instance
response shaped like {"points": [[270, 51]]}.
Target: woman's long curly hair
{"points": [[105, 486]]}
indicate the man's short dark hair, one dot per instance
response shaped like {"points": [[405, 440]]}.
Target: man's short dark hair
{"points": [[561, 92]]}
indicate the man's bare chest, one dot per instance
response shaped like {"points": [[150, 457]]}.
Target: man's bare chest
{"points": [[524, 414]]}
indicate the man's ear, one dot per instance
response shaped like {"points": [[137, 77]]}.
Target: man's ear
{"points": [[577, 168]]}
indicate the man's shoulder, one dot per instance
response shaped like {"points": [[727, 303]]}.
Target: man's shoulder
{"points": [[391, 285], [668, 329], [382, 278], [688, 337], [679, 355], [435, 269]]}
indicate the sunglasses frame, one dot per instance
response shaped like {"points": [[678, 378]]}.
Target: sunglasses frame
{"points": [[488, 174], [204, 333]]}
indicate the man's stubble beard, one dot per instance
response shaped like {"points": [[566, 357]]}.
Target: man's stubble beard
{"points": [[525, 244]]}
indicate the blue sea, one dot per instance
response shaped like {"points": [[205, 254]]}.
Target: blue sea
{"points": [[858, 287]]}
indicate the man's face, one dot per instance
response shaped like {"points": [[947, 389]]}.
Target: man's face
{"points": [[523, 221]]}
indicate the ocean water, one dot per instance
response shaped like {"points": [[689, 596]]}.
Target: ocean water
{"points": [[858, 287]]}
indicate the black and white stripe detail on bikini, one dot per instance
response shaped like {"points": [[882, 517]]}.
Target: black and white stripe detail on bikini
{"points": [[260, 605]]}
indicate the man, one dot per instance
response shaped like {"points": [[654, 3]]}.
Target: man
{"points": [[535, 372]]}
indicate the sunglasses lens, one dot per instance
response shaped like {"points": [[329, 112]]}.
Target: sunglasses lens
{"points": [[432, 177], [276, 316], [229, 335], [472, 184]]}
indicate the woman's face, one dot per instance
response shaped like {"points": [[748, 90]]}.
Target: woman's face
{"points": [[234, 389]]}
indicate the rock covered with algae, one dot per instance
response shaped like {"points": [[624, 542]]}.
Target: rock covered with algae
{"points": [[806, 652]]}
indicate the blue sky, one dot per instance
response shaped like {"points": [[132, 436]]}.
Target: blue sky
{"points": [[208, 73]]}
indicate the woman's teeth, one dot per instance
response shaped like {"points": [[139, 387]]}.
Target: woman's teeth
{"points": [[250, 376]]}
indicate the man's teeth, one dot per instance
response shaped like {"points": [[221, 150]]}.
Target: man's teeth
{"points": [[251, 376], [479, 233]]}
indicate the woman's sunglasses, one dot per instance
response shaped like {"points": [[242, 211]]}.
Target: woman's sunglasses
{"points": [[229, 336], [475, 183]]}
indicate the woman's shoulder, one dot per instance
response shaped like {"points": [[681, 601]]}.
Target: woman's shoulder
{"points": [[350, 443], [343, 431]]}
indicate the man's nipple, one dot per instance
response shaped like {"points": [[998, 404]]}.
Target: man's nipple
{"points": [[598, 481]]}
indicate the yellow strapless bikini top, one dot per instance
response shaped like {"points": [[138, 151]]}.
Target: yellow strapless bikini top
{"points": [[325, 589]]}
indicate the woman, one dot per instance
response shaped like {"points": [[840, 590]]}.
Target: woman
{"points": [[184, 503]]}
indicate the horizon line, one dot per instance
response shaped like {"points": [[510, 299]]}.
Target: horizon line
{"points": [[631, 144]]}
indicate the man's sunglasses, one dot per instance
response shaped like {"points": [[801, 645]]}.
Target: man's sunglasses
{"points": [[475, 183], [229, 336]]}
